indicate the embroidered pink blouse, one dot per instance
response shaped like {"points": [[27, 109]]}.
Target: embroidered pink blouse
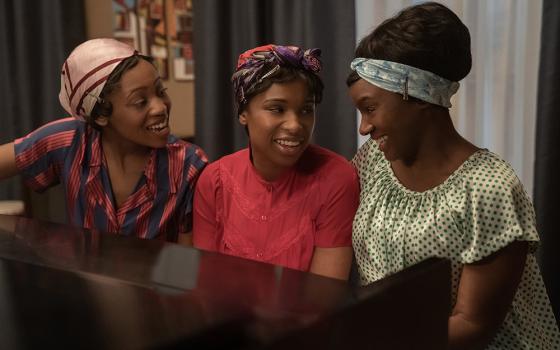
{"points": [[237, 212]]}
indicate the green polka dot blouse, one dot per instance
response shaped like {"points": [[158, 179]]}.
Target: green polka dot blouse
{"points": [[479, 209]]}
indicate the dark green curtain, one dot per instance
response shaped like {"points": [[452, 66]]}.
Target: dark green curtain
{"points": [[547, 158], [223, 29], [35, 38]]}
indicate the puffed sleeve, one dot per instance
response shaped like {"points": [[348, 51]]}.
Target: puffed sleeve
{"points": [[41, 155], [497, 212]]}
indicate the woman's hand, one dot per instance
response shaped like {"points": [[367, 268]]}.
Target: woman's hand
{"points": [[332, 262], [486, 290]]}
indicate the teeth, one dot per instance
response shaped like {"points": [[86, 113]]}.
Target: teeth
{"points": [[158, 127], [288, 143], [382, 139]]}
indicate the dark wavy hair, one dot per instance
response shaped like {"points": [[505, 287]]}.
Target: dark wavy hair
{"points": [[428, 36]]}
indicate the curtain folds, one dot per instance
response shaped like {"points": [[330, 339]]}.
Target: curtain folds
{"points": [[547, 164], [224, 29], [35, 38], [497, 103]]}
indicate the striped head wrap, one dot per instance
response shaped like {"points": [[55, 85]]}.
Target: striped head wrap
{"points": [[255, 65], [85, 72]]}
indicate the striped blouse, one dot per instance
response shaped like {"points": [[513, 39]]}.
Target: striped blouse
{"points": [[68, 151]]}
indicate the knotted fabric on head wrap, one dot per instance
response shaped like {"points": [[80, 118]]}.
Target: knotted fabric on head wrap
{"points": [[85, 72], [257, 64], [406, 80]]}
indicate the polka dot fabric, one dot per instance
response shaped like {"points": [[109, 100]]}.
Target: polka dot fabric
{"points": [[479, 209]]}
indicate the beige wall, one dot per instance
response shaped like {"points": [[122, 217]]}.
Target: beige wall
{"points": [[99, 24]]}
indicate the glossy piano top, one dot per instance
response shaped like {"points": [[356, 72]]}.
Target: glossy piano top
{"points": [[63, 286]]}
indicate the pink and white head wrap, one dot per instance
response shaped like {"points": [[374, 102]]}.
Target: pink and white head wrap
{"points": [[85, 72]]}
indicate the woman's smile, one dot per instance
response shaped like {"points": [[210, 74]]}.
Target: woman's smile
{"points": [[161, 128], [289, 146]]}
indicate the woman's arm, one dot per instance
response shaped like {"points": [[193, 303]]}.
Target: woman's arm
{"points": [[332, 262], [486, 291], [7, 161]]}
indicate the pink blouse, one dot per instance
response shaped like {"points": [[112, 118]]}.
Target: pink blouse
{"points": [[237, 212]]}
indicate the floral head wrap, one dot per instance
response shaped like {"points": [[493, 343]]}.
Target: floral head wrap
{"points": [[406, 80], [85, 72], [255, 65]]}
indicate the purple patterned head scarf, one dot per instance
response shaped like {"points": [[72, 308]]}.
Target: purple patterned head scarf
{"points": [[257, 64]]}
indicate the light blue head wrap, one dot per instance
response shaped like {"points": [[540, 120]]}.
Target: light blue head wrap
{"points": [[406, 80]]}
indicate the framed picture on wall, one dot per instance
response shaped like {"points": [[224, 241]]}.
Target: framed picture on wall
{"points": [[181, 35], [153, 33], [142, 24], [125, 22]]}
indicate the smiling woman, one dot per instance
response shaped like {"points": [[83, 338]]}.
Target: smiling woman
{"points": [[427, 191], [121, 169], [140, 109], [281, 200], [280, 121]]}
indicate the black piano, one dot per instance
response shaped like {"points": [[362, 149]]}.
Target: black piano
{"points": [[63, 287]]}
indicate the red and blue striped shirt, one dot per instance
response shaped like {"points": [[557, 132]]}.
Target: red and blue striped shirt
{"points": [[68, 151]]}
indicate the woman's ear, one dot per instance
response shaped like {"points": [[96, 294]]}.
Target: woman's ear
{"points": [[102, 120], [104, 110], [243, 118]]}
